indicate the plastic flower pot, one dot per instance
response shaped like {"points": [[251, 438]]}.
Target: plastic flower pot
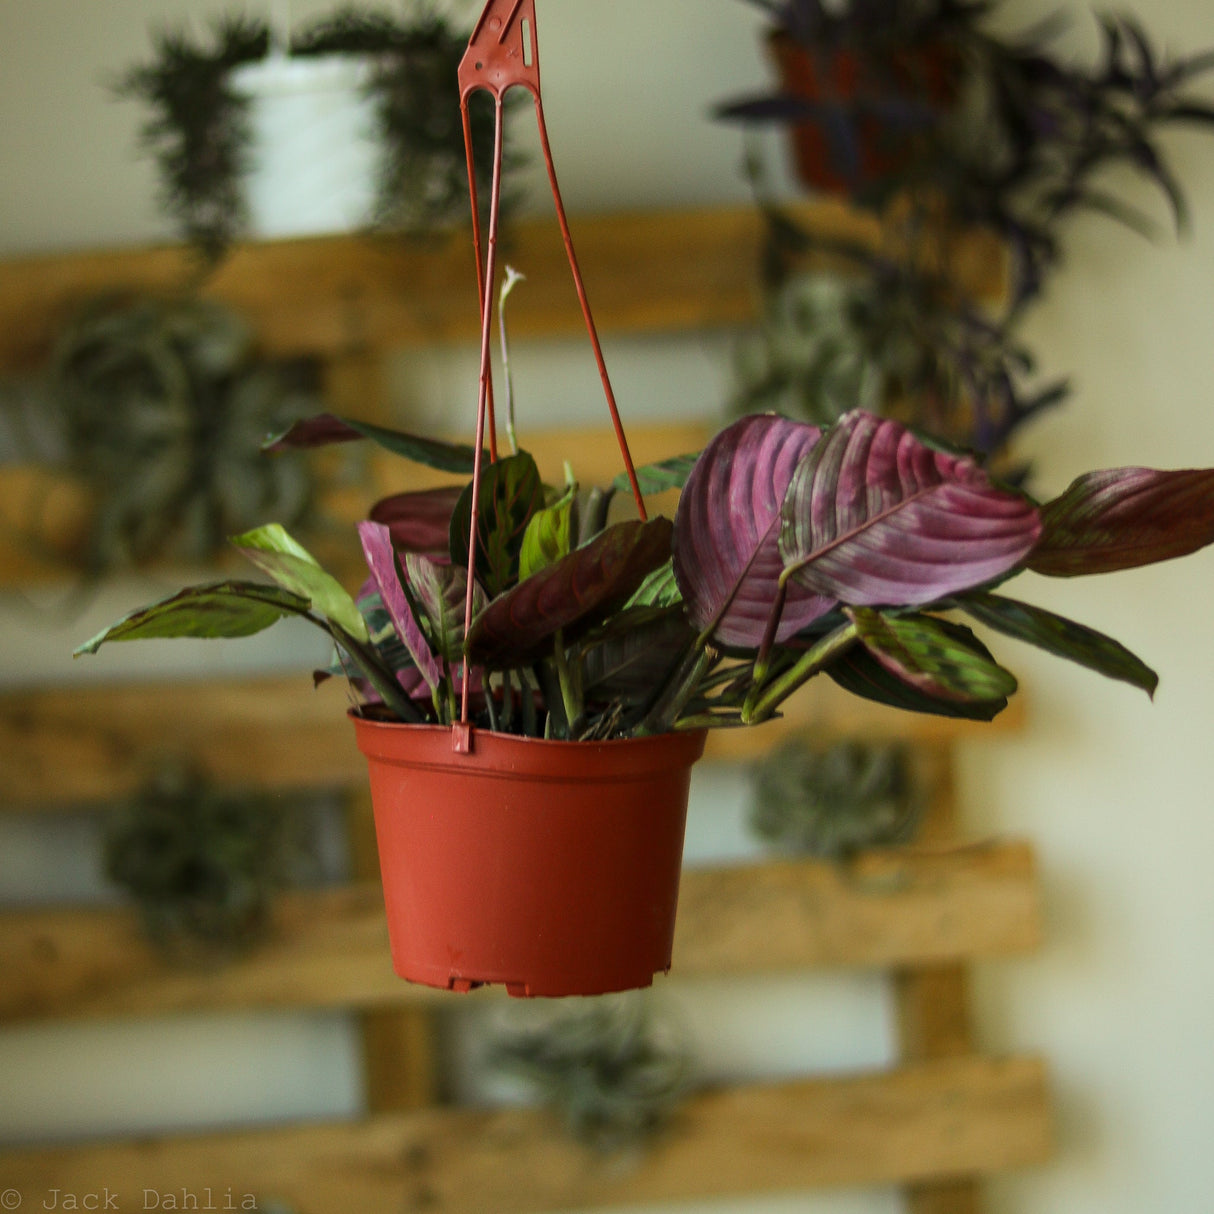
{"points": [[549, 867], [851, 146]]}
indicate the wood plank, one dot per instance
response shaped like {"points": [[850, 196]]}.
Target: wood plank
{"points": [[330, 949], [934, 1018], [68, 746], [938, 1119], [645, 272]]}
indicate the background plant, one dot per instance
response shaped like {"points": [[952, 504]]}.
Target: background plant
{"points": [[158, 406], [198, 128], [613, 1070], [1018, 141], [203, 864]]}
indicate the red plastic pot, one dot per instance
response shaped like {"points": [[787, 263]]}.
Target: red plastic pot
{"points": [[550, 867], [839, 76]]}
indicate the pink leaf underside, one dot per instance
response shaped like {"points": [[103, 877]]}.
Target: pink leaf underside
{"points": [[381, 560], [420, 521], [727, 528], [1120, 518], [874, 516]]}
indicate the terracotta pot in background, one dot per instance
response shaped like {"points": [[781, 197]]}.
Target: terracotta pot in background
{"points": [[550, 867], [851, 149]]}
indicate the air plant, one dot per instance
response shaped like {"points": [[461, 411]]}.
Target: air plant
{"points": [[855, 552], [203, 864], [157, 405], [613, 1070], [828, 801]]}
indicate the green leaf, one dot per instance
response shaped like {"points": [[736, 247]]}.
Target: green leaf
{"points": [[659, 589], [860, 674], [274, 551], [217, 609], [656, 478], [941, 659], [549, 536], [511, 492], [325, 428], [1060, 636]]}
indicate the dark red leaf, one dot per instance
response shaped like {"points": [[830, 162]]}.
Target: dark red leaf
{"points": [[575, 593], [421, 521]]}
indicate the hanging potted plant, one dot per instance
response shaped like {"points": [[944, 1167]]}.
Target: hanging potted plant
{"points": [[538, 843], [535, 680], [347, 122]]}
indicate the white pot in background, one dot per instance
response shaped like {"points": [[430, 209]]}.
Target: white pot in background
{"points": [[314, 158]]}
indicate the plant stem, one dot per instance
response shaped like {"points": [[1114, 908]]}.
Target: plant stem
{"points": [[812, 662], [683, 683], [571, 692], [382, 679], [513, 277]]}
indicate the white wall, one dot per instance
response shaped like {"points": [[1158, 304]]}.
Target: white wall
{"points": [[1115, 791]]}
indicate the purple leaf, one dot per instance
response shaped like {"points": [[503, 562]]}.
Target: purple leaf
{"points": [[420, 521], [1124, 517], [874, 516], [325, 429], [381, 560], [575, 593], [727, 559]]}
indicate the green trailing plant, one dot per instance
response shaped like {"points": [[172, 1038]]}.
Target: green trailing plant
{"points": [[614, 1071], [853, 552], [199, 134], [158, 405], [203, 864], [830, 801], [963, 127]]}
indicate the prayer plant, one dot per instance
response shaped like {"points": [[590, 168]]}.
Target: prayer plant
{"points": [[855, 552]]}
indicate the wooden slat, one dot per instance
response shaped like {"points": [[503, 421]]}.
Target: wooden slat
{"points": [[330, 949], [645, 272], [101, 743], [934, 1018], [939, 1119], [68, 746]]}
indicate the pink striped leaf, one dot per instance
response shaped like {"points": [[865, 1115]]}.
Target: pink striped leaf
{"points": [[381, 560], [874, 516], [1124, 517], [727, 559]]}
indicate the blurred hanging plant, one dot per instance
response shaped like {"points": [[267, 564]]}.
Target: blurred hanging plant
{"points": [[833, 800], [203, 864], [613, 1070], [920, 110], [156, 405], [199, 131]]}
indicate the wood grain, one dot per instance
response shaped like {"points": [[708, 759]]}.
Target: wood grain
{"points": [[662, 271], [937, 1119], [71, 746], [330, 948]]}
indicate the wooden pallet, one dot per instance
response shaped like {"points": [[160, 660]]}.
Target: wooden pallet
{"points": [[935, 1123]]}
